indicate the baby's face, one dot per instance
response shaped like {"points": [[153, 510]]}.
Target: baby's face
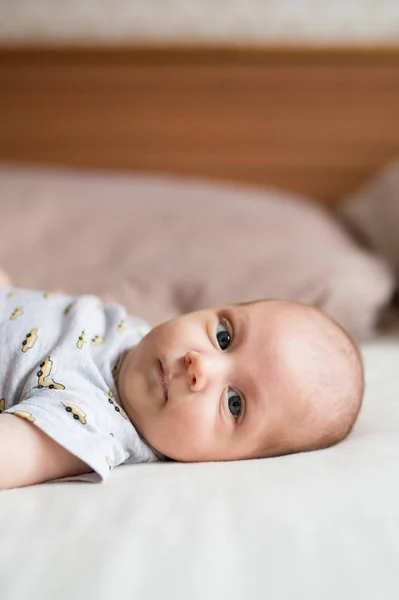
{"points": [[219, 383]]}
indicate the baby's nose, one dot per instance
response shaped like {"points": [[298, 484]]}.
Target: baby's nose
{"points": [[196, 370]]}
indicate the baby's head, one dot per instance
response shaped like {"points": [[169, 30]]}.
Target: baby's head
{"points": [[250, 380]]}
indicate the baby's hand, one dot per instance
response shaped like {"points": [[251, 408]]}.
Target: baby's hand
{"points": [[5, 280], [29, 456]]}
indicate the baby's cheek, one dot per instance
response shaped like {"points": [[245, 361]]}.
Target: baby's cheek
{"points": [[188, 424], [185, 417]]}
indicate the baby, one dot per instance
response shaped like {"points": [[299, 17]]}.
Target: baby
{"points": [[84, 387]]}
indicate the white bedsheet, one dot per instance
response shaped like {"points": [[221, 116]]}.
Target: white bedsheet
{"points": [[321, 525]]}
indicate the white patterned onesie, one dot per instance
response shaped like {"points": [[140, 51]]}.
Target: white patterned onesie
{"points": [[59, 362]]}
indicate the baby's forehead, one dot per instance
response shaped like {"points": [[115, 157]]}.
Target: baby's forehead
{"points": [[281, 333], [259, 335], [283, 312], [269, 357], [265, 313], [290, 353]]}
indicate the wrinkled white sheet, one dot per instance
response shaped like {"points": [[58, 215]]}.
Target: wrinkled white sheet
{"points": [[318, 525]]}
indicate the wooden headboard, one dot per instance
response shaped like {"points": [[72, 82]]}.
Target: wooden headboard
{"points": [[314, 121]]}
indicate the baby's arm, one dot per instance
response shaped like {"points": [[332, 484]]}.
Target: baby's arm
{"points": [[29, 456]]}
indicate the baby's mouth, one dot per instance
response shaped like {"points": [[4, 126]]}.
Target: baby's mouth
{"points": [[163, 380]]}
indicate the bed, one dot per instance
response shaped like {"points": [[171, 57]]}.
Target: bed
{"points": [[314, 122], [319, 525]]}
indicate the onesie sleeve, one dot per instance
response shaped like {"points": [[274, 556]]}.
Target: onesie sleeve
{"points": [[71, 422]]}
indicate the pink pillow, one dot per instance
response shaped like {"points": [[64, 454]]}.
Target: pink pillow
{"points": [[162, 246], [373, 212]]}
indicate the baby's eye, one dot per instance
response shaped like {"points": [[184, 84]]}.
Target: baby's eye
{"points": [[223, 335], [235, 403]]}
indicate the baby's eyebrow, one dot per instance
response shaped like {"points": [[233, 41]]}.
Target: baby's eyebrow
{"points": [[238, 323], [241, 323]]}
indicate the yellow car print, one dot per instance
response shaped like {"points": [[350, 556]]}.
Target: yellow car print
{"points": [[110, 462], [47, 295], [30, 340], [44, 371], [75, 411], [24, 415], [2, 405], [50, 383], [82, 339], [69, 307], [97, 340], [116, 406], [17, 312], [122, 325], [11, 294]]}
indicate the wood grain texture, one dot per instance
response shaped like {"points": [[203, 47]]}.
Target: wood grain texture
{"points": [[317, 122]]}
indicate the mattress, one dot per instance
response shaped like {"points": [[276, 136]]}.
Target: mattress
{"points": [[323, 524]]}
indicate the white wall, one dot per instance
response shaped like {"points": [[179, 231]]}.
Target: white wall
{"points": [[200, 21]]}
